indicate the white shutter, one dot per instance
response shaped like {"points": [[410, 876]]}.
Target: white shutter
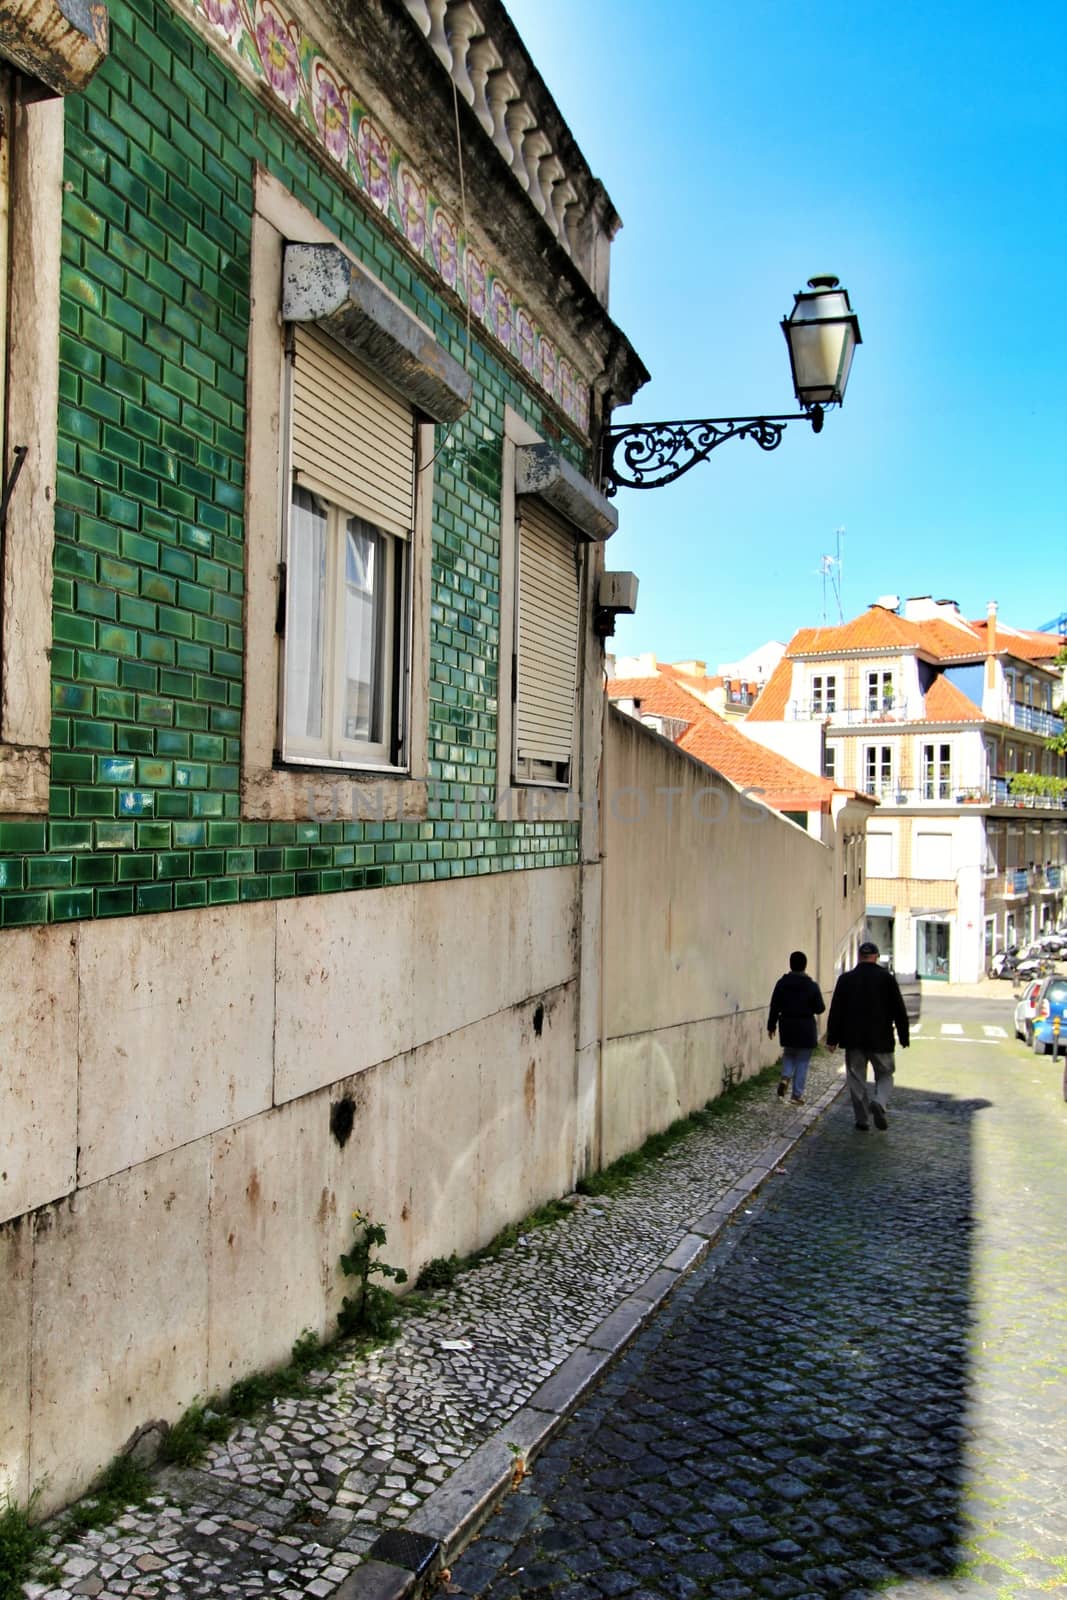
{"points": [[352, 441], [547, 636]]}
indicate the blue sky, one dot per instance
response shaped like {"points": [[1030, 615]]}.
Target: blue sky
{"points": [[917, 151]]}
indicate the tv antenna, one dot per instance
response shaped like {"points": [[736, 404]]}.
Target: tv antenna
{"points": [[831, 569]]}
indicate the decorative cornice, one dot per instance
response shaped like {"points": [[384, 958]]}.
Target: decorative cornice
{"points": [[269, 46]]}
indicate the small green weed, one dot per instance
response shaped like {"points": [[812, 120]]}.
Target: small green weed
{"points": [[611, 1179], [206, 1424], [371, 1309], [438, 1273], [123, 1484], [190, 1436], [543, 1217], [19, 1541]]}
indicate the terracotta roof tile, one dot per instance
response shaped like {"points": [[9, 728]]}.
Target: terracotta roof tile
{"points": [[946, 702], [660, 696], [770, 707], [721, 745], [1028, 643]]}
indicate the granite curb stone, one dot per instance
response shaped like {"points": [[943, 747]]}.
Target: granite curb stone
{"points": [[456, 1511]]}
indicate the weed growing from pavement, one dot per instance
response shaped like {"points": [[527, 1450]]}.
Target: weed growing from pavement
{"points": [[123, 1484], [611, 1179], [19, 1542], [371, 1309]]}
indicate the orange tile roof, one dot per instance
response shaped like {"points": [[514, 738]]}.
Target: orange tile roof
{"points": [[787, 787], [945, 702], [1028, 643], [770, 707], [719, 744], [661, 696], [874, 629]]}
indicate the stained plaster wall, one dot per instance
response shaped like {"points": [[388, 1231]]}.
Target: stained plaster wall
{"points": [[705, 895], [171, 1129]]}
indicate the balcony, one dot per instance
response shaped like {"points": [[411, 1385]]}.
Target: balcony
{"points": [[822, 711], [1001, 795], [1032, 720], [1011, 885]]}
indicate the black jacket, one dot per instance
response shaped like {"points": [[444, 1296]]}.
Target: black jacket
{"points": [[866, 1004], [795, 1003]]}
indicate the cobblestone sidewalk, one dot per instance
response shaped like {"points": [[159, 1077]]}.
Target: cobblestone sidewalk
{"points": [[290, 1504]]}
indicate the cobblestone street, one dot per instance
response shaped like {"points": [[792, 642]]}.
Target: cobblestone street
{"points": [[861, 1386]]}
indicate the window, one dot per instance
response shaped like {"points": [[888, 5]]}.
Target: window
{"points": [[932, 855], [878, 767], [546, 644], [879, 691], [347, 589], [338, 528], [829, 763], [823, 694], [1009, 683], [937, 772], [879, 855], [553, 524]]}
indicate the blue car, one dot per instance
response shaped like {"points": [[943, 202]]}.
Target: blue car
{"points": [[1049, 1006]]}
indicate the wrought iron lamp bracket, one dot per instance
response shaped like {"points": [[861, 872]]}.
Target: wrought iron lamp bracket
{"points": [[647, 455]]}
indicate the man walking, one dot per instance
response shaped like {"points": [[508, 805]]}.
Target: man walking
{"points": [[866, 1006], [795, 1003]]}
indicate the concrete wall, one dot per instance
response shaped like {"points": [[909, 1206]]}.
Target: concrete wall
{"points": [[705, 894], [174, 1199]]}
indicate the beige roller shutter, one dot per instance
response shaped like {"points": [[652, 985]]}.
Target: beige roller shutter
{"points": [[352, 441], [547, 636]]}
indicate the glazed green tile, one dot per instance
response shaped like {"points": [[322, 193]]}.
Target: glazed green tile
{"points": [[255, 887], [49, 872], [135, 741], [190, 834], [70, 836], [240, 860], [153, 773], [155, 897], [12, 870], [138, 675], [70, 904], [189, 895], [174, 806], [114, 902], [115, 835], [153, 835], [307, 883], [116, 769], [191, 775], [116, 703], [92, 735], [136, 868], [135, 803], [19, 910], [22, 837], [208, 863], [172, 864], [59, 801], [205, 805], [294, 859], [282, 884], [224, 891]]}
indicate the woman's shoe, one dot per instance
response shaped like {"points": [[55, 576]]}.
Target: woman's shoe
{"points": [[798, 1099], [783, 1088]]}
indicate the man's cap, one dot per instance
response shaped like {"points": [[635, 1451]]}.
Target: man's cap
{"points": [[868, 949]]}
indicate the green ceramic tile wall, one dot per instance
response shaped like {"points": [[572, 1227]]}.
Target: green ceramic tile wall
{"points": [[147, 659]]}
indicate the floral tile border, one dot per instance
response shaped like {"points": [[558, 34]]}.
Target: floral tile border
{"points": [[272, 45]]}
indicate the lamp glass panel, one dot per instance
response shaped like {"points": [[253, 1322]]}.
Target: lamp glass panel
{"points": [[822, 357]]}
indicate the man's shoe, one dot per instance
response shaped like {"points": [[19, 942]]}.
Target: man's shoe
{"points": [[881, 1121], [863, 1127], [798, 1099], [783, 1088]]}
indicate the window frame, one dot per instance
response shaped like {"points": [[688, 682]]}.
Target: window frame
{"points": [[880, 692], [30, 417], [312, 789], [525, 799], [936, 769], [823, 694], [883, 783]]}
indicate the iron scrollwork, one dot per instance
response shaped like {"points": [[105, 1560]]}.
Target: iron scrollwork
{"points": [[650, 454]]}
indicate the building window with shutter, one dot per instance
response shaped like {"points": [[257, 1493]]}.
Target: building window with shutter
{"points": [[547, 603], [347, 588]]}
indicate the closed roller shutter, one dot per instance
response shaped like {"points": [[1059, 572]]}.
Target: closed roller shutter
{"points": [[352, 441], [548, 636]]}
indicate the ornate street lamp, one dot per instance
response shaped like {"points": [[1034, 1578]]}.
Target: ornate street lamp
{"points": [[822, 332]]}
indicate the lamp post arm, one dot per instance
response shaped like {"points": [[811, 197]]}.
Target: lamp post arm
{"points": [[647, 455]]}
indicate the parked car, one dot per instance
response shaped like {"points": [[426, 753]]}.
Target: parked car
{"points": [[1025, 1008], [1051, 1003]]}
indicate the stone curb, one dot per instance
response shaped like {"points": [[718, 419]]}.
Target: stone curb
{"points": [[451, 1516]]}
